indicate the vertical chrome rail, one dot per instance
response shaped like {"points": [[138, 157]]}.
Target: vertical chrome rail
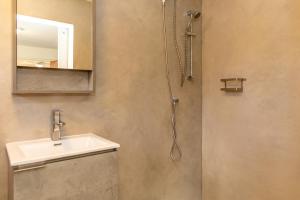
{"points": [[189, 43]]}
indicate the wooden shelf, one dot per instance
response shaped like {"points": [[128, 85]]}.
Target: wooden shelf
{"points": [[48, 68], [53, 92]]}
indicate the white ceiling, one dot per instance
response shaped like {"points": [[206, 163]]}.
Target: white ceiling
{"points": [[36, 34]]}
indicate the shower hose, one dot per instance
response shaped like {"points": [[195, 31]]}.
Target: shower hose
{"points": [[175, 152]]}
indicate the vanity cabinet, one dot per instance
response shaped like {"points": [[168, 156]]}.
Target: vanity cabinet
{"points": [[88, 177]]}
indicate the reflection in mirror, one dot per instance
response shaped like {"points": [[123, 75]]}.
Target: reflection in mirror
{"points": [[46, 43], [54, 34]]}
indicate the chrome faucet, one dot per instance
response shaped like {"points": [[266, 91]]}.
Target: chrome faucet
{"points": [[57, 125]]}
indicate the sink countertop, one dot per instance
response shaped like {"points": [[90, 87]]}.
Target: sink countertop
{"points": [[42, 150]]}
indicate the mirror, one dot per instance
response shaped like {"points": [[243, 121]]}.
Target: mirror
{"points": [[56, 34]]}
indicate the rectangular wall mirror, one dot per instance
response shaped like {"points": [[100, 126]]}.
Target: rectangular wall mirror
{"points": [[54, 46]]}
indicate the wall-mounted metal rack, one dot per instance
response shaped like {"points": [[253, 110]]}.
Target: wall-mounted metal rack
{"points": [[233, 84]]}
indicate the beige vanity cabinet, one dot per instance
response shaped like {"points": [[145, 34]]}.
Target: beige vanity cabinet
{"points": [[88, 177]]}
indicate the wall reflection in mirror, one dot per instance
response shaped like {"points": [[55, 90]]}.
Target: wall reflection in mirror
{"points": [[55, 34]]}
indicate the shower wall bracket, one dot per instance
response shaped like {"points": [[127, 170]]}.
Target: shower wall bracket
{"points": [[233, 84]]}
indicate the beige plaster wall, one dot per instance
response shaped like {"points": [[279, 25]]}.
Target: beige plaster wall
{"points": [[130, 105], [251, 140], [77, 12]]}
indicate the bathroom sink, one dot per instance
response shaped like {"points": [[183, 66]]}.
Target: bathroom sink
{"points": [[41, 150]]}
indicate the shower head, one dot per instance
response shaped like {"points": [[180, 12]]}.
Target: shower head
{"points": [[194, 14]]}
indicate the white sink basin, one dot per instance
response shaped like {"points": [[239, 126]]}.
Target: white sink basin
{"points": [[33, 151]]}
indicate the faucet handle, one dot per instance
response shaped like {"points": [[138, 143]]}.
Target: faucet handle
{"points": [[57, 118], [61, 123], [56, 112]]}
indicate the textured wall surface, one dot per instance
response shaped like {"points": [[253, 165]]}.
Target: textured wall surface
{"points": [[251, 140], [130, 105], [43, 79]]}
